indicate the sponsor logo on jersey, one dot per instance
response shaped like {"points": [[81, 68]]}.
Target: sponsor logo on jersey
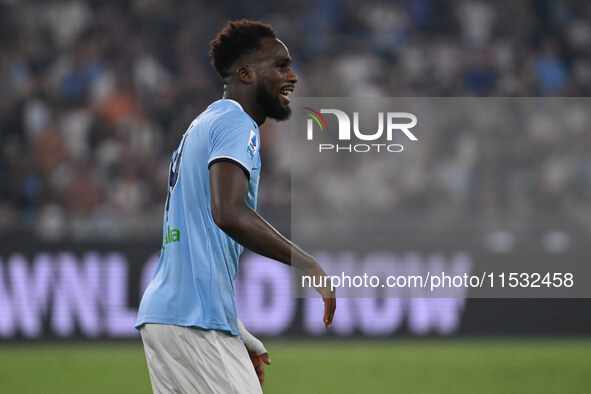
{"points": [[173, 235]]}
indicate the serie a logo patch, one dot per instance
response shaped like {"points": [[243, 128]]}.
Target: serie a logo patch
{"points": [[253, 144]]}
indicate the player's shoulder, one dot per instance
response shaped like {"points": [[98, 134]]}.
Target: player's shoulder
{"points": [[229, 114]]}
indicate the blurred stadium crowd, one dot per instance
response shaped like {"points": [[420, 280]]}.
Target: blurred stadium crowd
{"points": [[94, 96]]}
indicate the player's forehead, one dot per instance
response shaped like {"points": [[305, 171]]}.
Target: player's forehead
{"points": [[273, 49]]}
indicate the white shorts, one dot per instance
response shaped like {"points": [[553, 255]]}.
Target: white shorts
{"points": [[188, 360]]}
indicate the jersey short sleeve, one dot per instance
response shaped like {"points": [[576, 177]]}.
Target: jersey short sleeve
{"points": [[234, 139]]}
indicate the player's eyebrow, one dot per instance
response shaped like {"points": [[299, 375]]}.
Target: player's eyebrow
{"points": [[285, 59]]}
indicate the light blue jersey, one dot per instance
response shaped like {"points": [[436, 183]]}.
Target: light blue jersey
{"points": [[193, 283]]}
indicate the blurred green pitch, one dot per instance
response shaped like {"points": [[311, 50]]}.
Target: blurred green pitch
{"points": [[330, 366]]}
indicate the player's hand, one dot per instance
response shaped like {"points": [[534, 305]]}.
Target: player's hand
{"points": [[328, 296], [258, 361], [330, 305]]}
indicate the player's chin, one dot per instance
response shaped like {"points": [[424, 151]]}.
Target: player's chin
{"points": [[281, 117], [281, 113]]}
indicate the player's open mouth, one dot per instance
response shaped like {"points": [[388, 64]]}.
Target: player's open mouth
{"points": [[283, 93]]}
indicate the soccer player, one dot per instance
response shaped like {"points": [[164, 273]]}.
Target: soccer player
{"points": [[187, 316]]}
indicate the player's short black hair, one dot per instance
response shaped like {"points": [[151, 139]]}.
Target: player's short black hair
{"points": [[237, 39]]}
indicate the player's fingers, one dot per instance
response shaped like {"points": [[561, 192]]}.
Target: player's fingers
{"points": [[262, 378], [330, 304], [260, 370], [266, 359], [325, 317]]}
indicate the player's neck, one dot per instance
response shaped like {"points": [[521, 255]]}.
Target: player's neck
{"points": [[248, 105]]}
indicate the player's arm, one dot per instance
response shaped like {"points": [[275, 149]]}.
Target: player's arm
{"points": [[229, 189]]}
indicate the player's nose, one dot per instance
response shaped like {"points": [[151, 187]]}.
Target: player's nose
{"points": [[292, 77]]}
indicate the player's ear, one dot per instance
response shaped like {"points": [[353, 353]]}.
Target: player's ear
{"points": [[245, 74]]}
